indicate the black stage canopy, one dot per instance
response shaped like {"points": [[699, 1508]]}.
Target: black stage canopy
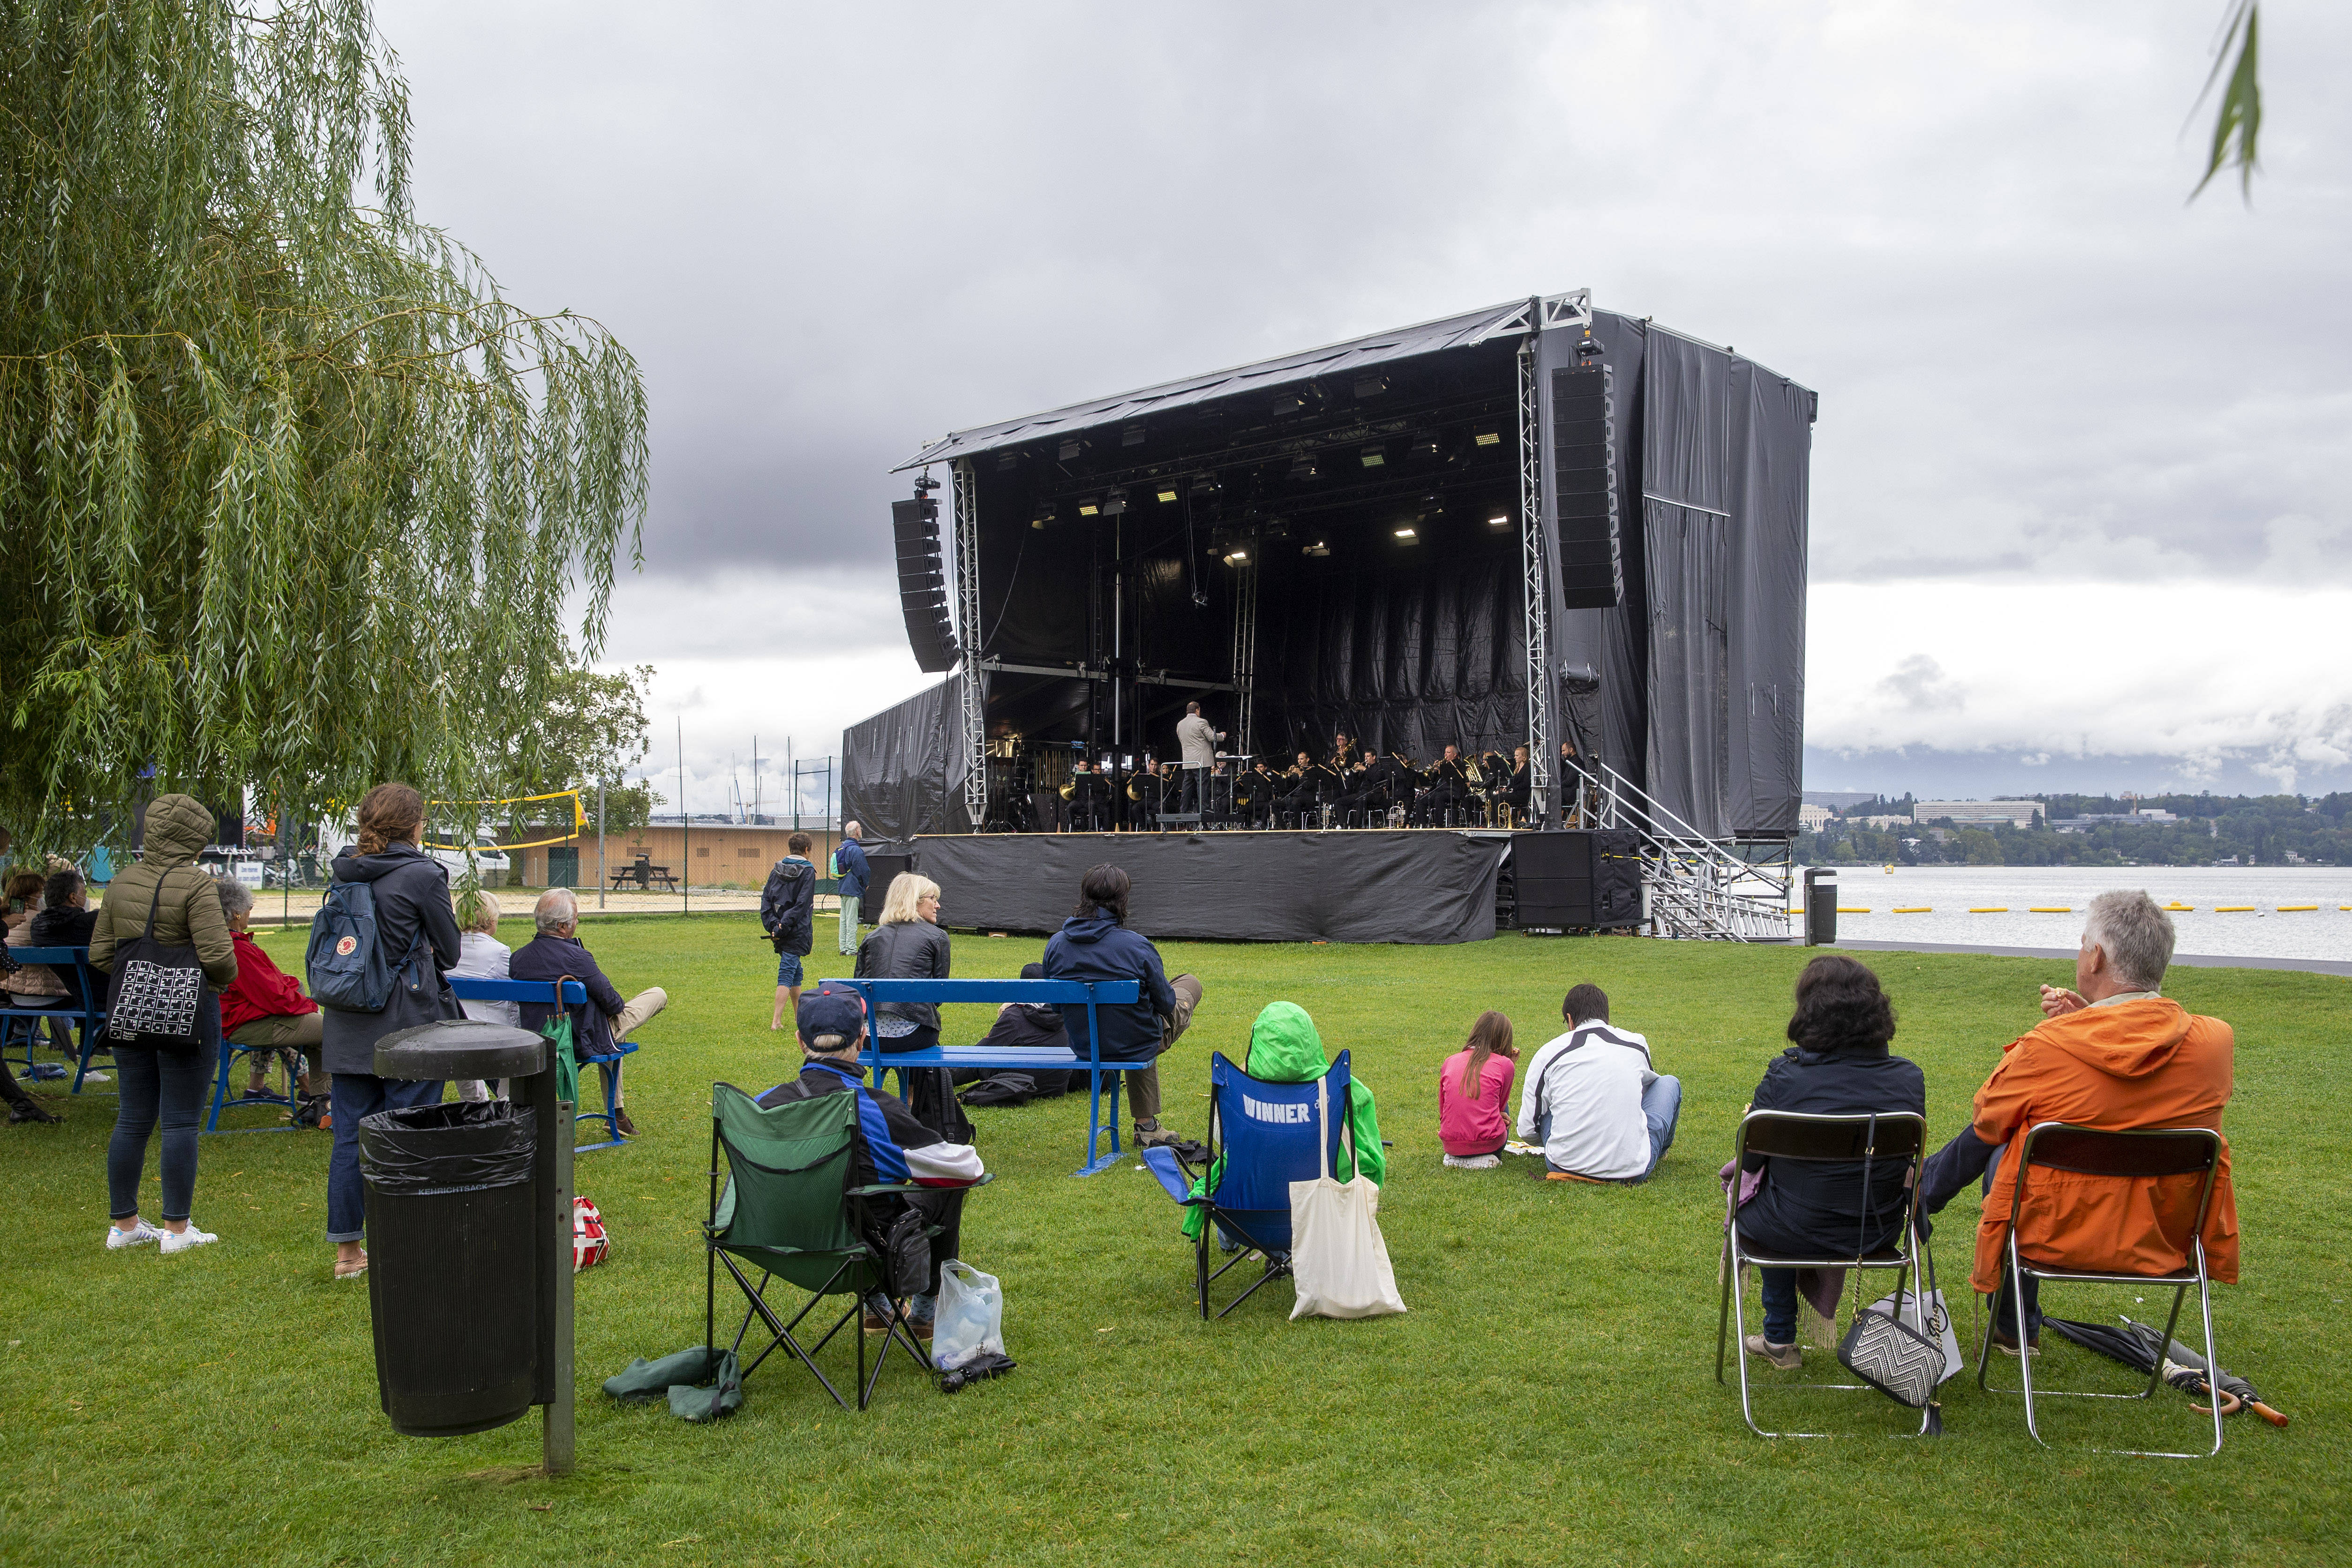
{"points": [[1538, 520]]}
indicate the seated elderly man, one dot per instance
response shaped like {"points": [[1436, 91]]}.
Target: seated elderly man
{"points": [[557, 954], [2111, 1053], [888, 1144], [264, 1009]]}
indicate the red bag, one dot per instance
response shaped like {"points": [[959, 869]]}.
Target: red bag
{"points": [[589, 1244]]}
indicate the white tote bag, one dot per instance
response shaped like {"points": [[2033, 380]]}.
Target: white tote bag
{"points": [[1337, 1261]]}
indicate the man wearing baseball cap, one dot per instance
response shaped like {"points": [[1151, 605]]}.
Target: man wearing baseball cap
{"points": [[889, 1145]]}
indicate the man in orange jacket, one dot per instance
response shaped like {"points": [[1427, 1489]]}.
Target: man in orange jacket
{"points": [[2111, 1053]]}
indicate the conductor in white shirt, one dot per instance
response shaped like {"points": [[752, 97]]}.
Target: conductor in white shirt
{"points": [[1595, 1102], [1200, 746]]}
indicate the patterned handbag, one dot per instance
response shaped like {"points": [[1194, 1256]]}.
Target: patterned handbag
{"points": [[157, 990], [1879, 1347]]}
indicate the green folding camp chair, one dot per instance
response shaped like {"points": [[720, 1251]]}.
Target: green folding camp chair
{"points": [[789, 1212]]}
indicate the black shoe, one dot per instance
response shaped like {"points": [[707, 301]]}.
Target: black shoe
{"points": [[29, 1110]]}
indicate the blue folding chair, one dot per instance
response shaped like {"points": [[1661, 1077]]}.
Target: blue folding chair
{"points": [[1262, 1137]]}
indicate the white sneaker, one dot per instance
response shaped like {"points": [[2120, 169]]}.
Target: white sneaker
{"points": [[1472, 1162], [187, 1238], [116, 1239]]}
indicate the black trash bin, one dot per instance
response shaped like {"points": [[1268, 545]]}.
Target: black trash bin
{"points": [[453, 1246]]}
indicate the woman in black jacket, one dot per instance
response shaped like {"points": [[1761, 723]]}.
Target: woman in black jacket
{"points": [[418, 930], [1838, 1066]]}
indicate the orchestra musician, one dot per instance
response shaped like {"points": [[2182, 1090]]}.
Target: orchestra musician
{"points": [[1574, 781], [1343, 750], [1514, 790], [1255, 794], [1311, 784], [1450, 781], [1088, 797], [1143, 793]]}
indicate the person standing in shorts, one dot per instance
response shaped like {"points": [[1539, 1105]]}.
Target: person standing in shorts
{"points": [[788, 914], [854, 873]]}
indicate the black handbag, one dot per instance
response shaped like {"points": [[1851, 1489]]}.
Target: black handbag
{"points": [[157, 990]]}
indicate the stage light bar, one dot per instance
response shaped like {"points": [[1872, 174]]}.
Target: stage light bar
{"points": [[1236, 558], [1488, 437], [1089, 507], [1409, 536], [1166, 493], [1499, 520], [1374, 458]]}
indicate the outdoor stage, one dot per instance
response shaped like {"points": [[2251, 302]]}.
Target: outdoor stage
{"points": [[1411, 886]]}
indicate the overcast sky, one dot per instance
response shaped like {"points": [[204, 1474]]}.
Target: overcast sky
{"points": [[2080, 480]]}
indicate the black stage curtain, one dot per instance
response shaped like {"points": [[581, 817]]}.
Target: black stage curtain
{"points": [[1362, 886], [902, 770]]}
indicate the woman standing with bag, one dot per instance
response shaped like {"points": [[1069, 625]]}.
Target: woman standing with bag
{"points": [[417, 931], [163, 903]]}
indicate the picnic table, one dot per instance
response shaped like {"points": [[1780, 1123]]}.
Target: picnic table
{"points": [[645, 874], [1089, 994]]}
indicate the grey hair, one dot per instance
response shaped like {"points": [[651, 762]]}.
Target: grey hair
{"points": [[556, 908], [234, 896], [2134, 934]]}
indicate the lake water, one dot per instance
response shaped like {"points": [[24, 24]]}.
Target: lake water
{"points": [[1948, 893]]}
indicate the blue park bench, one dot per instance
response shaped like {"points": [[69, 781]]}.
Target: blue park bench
{"points": [[1011, 1058], [89, 1021], [571, 994]]}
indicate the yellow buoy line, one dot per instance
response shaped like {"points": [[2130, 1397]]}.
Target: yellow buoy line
{"points": [[2176, 907]]}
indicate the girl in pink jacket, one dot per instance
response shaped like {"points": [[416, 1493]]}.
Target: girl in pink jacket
{"points": [[1473, 1096]]}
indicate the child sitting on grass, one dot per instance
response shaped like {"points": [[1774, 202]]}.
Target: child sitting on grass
{"points": [[1473, 1096]]}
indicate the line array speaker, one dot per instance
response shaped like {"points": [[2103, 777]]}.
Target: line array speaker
{"points": [[1584, 481], [923, 584]]}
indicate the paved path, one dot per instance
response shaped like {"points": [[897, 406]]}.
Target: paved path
{"points": [[2189, 960]]}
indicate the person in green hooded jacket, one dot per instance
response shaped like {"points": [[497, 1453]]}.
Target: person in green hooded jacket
{"points": [[1285, 1049]]}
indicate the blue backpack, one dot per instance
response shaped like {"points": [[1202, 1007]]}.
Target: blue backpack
{"points": [[349, 969]]}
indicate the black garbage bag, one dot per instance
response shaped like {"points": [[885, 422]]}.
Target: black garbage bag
{"points": [[464, 1146]]}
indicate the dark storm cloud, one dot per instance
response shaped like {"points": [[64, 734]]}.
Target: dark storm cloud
{"points": [[832, 234]]}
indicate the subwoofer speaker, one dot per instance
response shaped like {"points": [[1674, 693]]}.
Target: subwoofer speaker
{"points": [[1577, 881]]}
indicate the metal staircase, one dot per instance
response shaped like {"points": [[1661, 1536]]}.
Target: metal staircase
{"points": [[1697, 888]]}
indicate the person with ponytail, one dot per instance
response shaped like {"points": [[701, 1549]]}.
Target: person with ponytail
{"points": [[415, 923], [1473, 1096]]}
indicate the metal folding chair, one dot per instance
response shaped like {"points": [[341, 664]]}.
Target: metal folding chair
{"points": [[2138, 1155], [1865, 1140]]}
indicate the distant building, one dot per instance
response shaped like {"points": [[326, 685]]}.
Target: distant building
{"points": [[1884, 824], [1977, 813], [1811, 819]]}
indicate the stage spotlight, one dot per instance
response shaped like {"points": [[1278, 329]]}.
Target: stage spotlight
{"points": [[1372, 386], [1488, 437], [1374, 458], [1007, 461], [1236, 556], [1114, 503], [1165, 492], [1408, 536], [1071, 447], [1432, 505], [1589, 348], [1288, 403], [1302, 468], [1499, 520], [1089, 507], [1422, 446], [1132, 436], [1319, 548]]}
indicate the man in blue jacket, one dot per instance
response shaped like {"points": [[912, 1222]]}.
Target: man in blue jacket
{"points": [[788, 914], [557, 954], [1095, 945], [855, 871]]}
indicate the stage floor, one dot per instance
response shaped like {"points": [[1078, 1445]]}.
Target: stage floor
{"points": [[1361, 884]]}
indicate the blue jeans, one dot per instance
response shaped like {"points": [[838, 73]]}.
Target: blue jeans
{"points": [[1662, 1107], [157, 1085], [1779, 1290], [358, 1095]]}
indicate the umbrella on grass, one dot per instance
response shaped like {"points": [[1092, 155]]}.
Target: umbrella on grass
{"points": [[2135, 1344]]}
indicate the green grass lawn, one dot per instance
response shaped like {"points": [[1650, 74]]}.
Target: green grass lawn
{"points": [[1550, 1397]]}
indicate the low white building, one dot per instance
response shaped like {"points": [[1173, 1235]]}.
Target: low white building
{"points": [[1977, 813]]}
